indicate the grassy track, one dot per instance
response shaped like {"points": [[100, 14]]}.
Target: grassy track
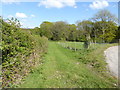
{"points": [[61, 69]]}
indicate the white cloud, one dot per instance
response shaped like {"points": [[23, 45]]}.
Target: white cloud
{"points": [[20, 15], [99, 4], [75, 6], [57, 3], [32, 15]]}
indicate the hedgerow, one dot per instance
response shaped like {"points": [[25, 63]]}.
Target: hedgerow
{"points": [[21, 52]]}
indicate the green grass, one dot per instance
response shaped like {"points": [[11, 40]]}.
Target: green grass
{"points": [[63, 68]]}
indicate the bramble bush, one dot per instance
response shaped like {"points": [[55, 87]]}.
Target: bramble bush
{"points": [[21, 52]]}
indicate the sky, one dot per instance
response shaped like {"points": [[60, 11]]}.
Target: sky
{"points": [[32, 13]]}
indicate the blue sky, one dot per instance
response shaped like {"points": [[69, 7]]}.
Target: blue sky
{"points": [[32, 14]]}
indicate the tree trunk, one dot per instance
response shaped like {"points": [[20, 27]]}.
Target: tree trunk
{"points": [[89, 40], [103, 35], [95, 38]]}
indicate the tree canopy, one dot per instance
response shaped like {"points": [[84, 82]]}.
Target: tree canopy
{"points": [[102, 28]]}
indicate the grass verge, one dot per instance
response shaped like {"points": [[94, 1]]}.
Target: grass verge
{"points": [[63, 68]]}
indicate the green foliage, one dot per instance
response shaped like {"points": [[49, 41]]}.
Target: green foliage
{"points": [[21, 51], [117, 33], [106, 31], [86, 27], [60, 29], [105, 26], [72, 32], [46, 28], [36, 31], [102, 28]]}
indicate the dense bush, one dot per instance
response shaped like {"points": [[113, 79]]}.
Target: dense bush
{"points": [[21, 51]]}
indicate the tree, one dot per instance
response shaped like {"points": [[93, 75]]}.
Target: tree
{"points": [[96, 31], [103, 21], [109, 32], [72, 32], [86, 27], [59, 30], [36, 31], [104, 15], [46, 29], [14, 22], [117, 38]]}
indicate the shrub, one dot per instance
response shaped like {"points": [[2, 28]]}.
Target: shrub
{"points": [[21, 52]]}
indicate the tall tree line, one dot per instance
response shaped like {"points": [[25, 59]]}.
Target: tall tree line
{"points": [[101, 28]]}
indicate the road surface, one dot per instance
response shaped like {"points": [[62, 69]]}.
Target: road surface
{"points": [[112, 60]]}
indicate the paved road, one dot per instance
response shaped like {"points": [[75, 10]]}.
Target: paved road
{"points": [[112, 59]]}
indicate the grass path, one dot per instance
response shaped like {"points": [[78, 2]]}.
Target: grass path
{"points": [[60, 69]]}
